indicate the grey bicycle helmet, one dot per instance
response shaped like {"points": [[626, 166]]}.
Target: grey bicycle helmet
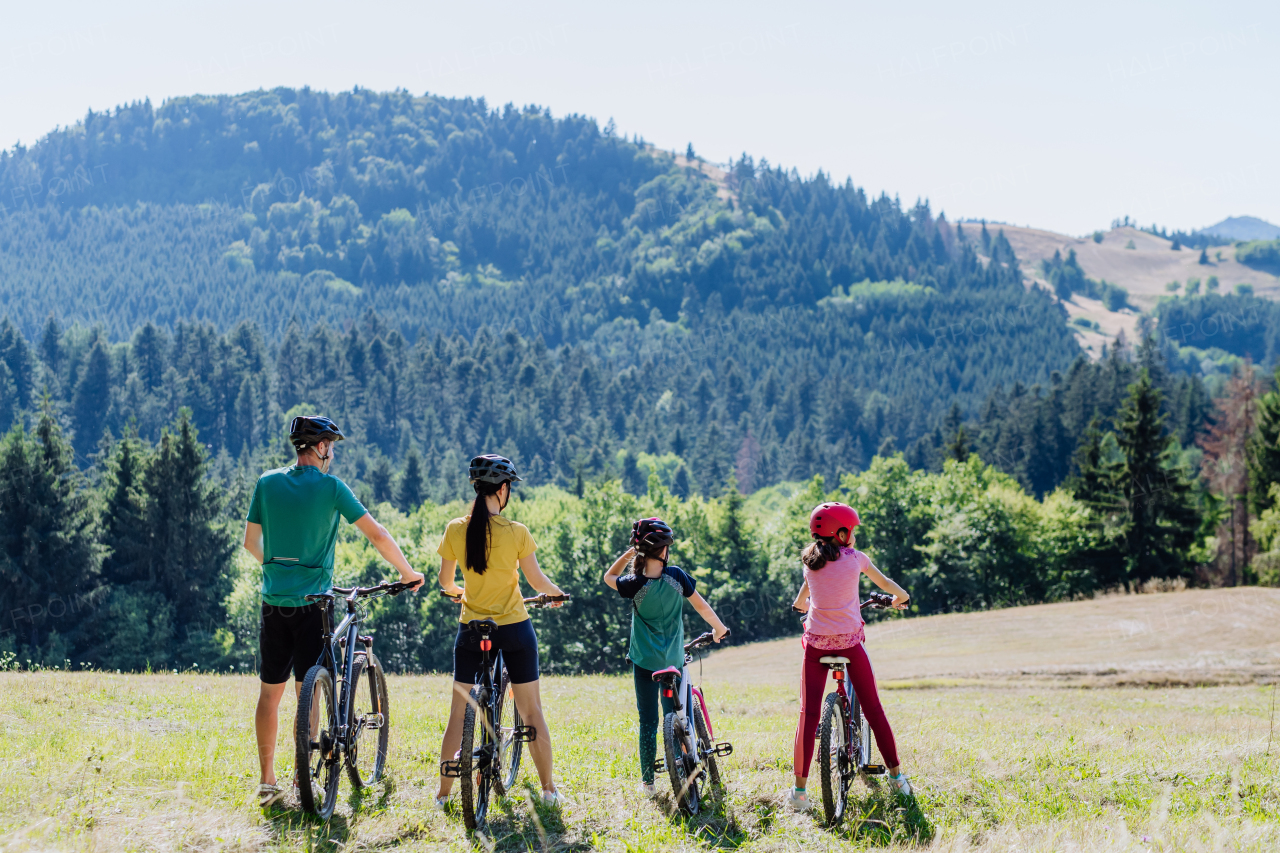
{"points": [[307, 430], [492, 469]]}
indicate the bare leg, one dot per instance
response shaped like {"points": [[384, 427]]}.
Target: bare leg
{"points": [[453, 730], [529, 703], [266, 723]]}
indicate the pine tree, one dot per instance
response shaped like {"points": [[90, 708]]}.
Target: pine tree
{"points": [[1159, 514], [410, 494], [679, 482], [17, 357], [51, 346], [380, 480], [49, 554]]}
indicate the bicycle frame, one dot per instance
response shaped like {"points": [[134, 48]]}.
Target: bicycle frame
{"points": [[340, 644]]}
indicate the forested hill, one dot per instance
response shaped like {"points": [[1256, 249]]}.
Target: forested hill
{"points": [[553, 257]]}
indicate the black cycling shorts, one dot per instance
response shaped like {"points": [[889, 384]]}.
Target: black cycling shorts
{"points": [[518, 644], [290, 638]]}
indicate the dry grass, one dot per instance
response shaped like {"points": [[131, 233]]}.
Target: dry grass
{"points": [[1001, 762]]}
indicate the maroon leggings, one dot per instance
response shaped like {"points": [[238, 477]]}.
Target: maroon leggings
{"points": [[813, 679]]}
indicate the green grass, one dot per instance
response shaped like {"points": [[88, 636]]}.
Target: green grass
{"points": [[165, 762]]}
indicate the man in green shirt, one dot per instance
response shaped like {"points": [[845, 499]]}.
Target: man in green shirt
{"points": [[291, 528]]}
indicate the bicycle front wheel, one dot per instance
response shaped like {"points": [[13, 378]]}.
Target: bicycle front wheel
{"points": [[680, 765], [475, 761], [316, 744], [833, 759], [369, 722], [509, 748]]}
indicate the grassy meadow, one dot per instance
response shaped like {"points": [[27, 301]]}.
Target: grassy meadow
{"points": [[95, 761]]}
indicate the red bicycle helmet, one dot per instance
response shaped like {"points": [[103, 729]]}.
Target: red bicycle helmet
{"points": [[826, 519]]}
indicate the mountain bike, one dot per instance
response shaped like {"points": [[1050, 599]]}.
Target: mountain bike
{"points": [[488, 762], [689, 746], [354, 730], [844, 737]]}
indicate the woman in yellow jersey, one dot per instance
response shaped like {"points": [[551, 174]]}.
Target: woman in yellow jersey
{"points": [[492, 552]]}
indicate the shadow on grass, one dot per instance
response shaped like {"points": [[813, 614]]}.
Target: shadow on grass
{"points": [[716, 824], [883, 818], [329, 836], [538, 827]]}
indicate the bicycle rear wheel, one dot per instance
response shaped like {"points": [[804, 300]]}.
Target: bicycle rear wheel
{"points": [[705, 746], [861, 735], [475, 761], [833, 759], [680, 765], [509, 748], [369, 721], [316, 744]]}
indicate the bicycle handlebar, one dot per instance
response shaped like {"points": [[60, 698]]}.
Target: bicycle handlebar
{"points": [[704, 640], [542, 600], [361, 591], [875, 601]]}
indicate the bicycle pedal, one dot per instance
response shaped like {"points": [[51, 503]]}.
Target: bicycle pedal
{"points": [[873, 769], [374, 721], [525, 734], [659, 765], [723, 749], [451, 769]]}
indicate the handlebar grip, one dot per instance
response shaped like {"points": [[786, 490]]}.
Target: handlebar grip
{"points": [[450, 596]]}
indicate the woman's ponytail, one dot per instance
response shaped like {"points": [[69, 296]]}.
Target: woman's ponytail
{"points": [[819, 552], [477, 538]]}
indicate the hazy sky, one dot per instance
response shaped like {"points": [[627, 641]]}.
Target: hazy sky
{"points": [[1062, 116]]}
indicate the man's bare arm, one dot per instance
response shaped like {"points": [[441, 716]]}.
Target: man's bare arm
{"points": [[387, 546], [253, 540]]}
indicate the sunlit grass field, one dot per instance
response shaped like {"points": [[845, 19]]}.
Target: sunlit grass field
{"points": [[92, 761]]}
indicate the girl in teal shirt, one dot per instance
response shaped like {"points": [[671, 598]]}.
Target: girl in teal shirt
{"points": [[657, 593]]}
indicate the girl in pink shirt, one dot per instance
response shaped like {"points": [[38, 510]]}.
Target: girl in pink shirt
{"points": [[832, 568]]}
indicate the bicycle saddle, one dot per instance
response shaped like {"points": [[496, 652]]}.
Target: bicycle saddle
{"points": [[483, 627], [664, 673], [830, 659]]}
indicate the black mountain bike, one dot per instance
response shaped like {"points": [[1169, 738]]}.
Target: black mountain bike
{"points": [[844, 738], [488, 761], [352, 731]]}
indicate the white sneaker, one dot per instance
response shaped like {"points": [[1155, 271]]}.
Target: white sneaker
{"points": [[798, 800], [269, 795], [901, 785], [442, 802], [647, 789], [552, 798]]}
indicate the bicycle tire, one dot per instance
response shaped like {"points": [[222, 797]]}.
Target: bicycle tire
{"points": [[367, 751], [475, 778], [684, 786], [861, 735], [833, 758], [705, 745], [310, 763], [509, 749]]}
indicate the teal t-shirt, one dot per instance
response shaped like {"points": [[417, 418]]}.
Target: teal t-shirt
{"points": [[298, 508], [657, 623]]}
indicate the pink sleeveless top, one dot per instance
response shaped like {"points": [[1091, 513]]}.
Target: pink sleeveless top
{"points": [[835, 620]]}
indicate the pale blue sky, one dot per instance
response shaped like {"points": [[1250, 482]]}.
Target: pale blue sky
{"points": [[1060, 116]]}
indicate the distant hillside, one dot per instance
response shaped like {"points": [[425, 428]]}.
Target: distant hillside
{"points": [[1244, 228], [788, 325], [1193, 637], [1139, 261]]}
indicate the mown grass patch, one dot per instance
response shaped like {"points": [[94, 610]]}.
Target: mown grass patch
{"points": [[94, 761]]}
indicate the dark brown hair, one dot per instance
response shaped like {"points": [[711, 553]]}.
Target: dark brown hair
{"points": [[477, 537], [819, 552]]}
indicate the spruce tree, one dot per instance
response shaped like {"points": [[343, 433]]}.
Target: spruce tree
{"points": [[49, 552], [124, 529], [16, 355], [1264, 450], [92, 399], [1159, 515], [189, 554], [410, 494]]}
